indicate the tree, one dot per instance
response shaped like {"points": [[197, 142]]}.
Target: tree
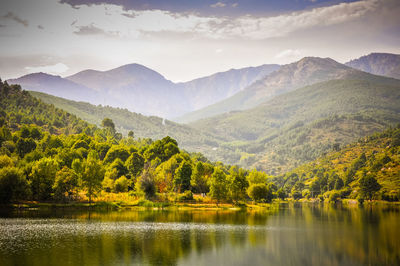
{"points": [[218, 185], [256, 177], [237, 184], [369, 186], [116, 152], [339, 184], [119, 166], [281, 193], [182, 177], [134, 164], [25, 146], [13, 185], [121, 184], [146, 182], [92, 175], [201, 173], [131, 134], [109, 125], [259, 192], [65, 182], [42, 178]]}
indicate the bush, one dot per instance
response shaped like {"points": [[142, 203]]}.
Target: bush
{"points": [[334, 196], [13, 185], [296, 195], [187, 195], [260, 192]]}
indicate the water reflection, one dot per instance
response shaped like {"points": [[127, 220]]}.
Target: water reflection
{"points": [[292, 235]]}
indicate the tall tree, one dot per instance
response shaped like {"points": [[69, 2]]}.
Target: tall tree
{"points": [[218, 185]]}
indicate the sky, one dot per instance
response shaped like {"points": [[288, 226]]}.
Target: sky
{"points": [[184, 40]]}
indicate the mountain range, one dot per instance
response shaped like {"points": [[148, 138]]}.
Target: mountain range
{"points": [[270, 117], [144, 90]]}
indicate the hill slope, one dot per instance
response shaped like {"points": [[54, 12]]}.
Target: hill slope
{"points": [[377, 155], [379, 64], [301, 125], [211, 89], [143, 126], [18, 107], [289, 77], [57, 86]]}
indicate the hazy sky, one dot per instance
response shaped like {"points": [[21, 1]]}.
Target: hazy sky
{"points": [[184, 39]]}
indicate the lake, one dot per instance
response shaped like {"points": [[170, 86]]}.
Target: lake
{"points": [[289, 234]]}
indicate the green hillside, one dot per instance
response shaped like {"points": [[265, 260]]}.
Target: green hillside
{"points": [[18, 107], [143, 126], [376, 156], [303, 124], [40, 162]]}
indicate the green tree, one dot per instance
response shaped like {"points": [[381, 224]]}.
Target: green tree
{"points": [[134, 164], [256, 177], [218, 185], [116, 152], [13, 185], [109, 125], [92, 175], [121, 184], [65, 182], [259, 192], [146, 183], [42, 178], [237, 184], [281, 193], [25, 146], [369, 186], [182, 177], [201, 173]]}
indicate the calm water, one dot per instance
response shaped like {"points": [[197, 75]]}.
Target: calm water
{"points": [[290, 235]]}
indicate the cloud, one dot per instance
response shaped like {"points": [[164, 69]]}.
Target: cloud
{"points": [[288, 53], [93, 30], [12, 16], [218, 4], [52, 69], [235, 4], [278, 26]]}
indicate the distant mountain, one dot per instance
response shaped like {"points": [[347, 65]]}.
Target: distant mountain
{"points": [[143, 126], [300, 125], [143, 90], [137, 88], [382, 64], [57, 86], [211, 89], [289, 77]]}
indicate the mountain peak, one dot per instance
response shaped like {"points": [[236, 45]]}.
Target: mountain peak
{"points": [[383, 64]]}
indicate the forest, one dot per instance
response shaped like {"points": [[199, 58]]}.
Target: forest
{"points": [[49, 155]]}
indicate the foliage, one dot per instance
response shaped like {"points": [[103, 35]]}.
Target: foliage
{"points": [[218, 185], [260, 192]]}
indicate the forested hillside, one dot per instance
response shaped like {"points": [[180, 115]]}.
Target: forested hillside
{"points": [[369, 168], [50, 155], [306, 71], [143, 126], [303, 124]]}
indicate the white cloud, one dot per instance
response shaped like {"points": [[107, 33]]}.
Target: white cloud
{"points": [[235, 4], [56, 69], [277, 26], [288, 53], [218, 4]]}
